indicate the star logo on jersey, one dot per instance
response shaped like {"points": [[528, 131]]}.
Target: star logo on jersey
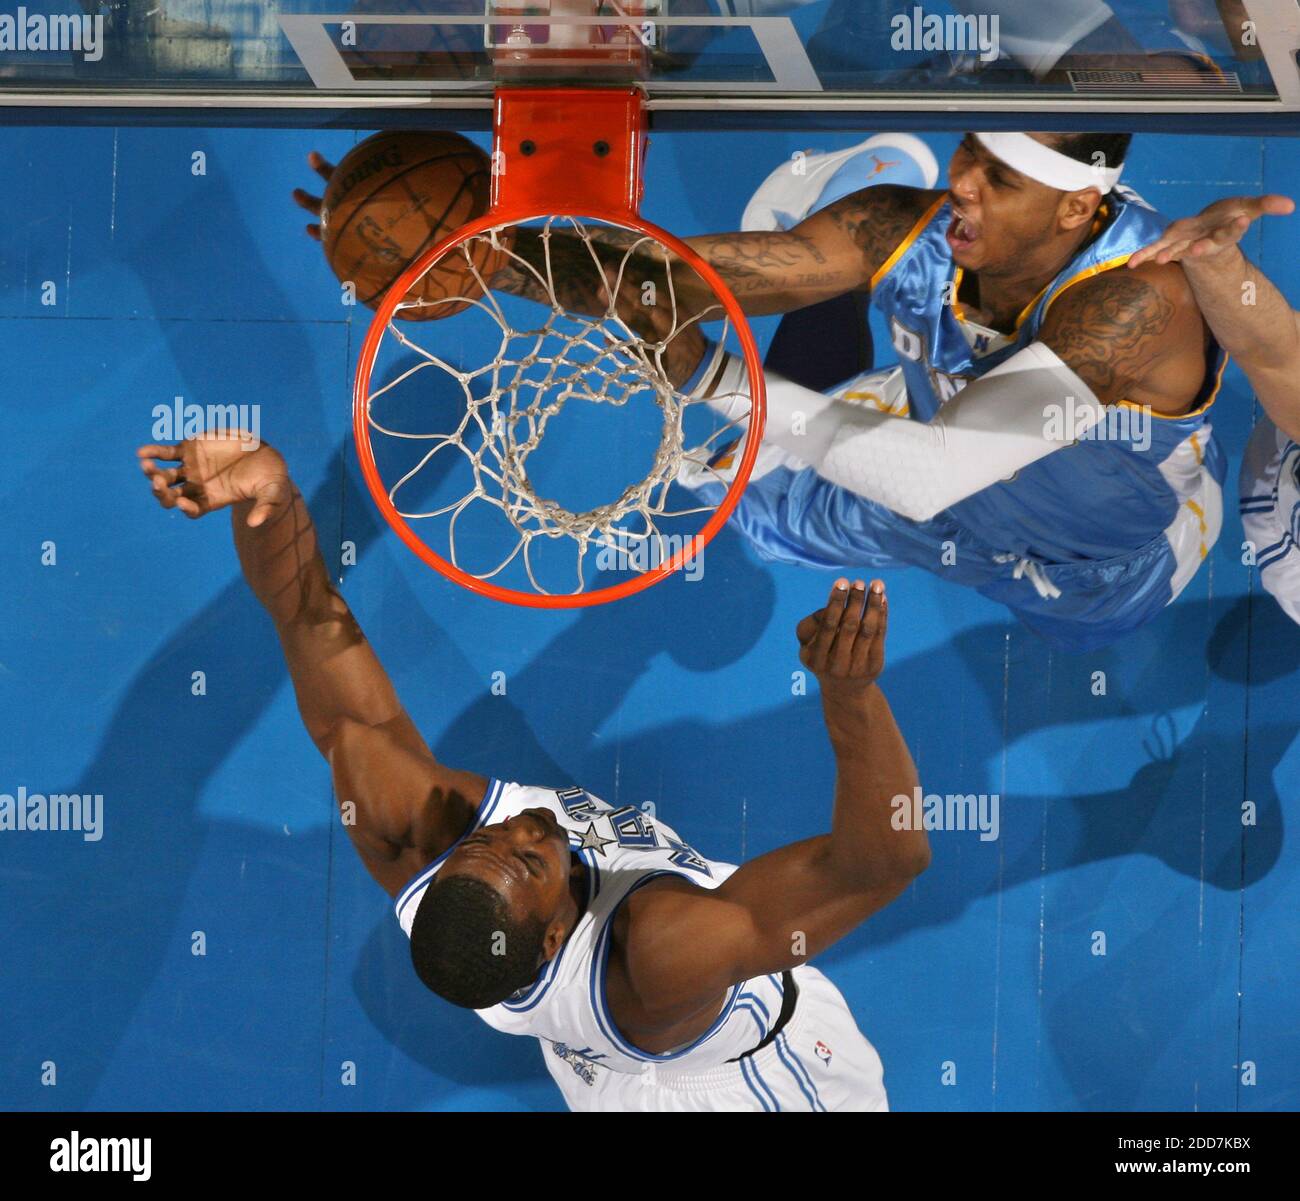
{"points": [[591, 841], [823, 1052]]}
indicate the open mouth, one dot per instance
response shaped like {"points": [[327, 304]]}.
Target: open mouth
{"points": [[962, 232]]}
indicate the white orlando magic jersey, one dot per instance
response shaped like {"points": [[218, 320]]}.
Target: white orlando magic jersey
{"points": [[1270, 511], [623, 849]]}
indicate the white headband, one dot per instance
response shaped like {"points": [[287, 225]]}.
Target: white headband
{"points": [[1048, 166]]}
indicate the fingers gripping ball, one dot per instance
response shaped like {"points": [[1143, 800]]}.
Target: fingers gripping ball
{"points": [[394, 196]]}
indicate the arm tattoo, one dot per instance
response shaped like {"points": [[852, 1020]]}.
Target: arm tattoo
{"points": [[1109, 331], [835, 251], [577, 280], [575, 271], [878, 219], [760, 262]]}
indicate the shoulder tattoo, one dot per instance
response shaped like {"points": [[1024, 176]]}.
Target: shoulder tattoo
{"points": [[879, 218], [1109, 330]]}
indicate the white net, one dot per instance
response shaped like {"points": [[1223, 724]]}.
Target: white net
{"points": [[588, 317]]}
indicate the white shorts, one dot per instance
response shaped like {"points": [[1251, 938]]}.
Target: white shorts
{"points": [[1270, 512], [819, 1062]]}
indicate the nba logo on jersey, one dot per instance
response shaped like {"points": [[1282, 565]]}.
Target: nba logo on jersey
{"points": [[823, 1051]]}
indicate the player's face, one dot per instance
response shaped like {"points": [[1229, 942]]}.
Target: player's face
{"points": [[999, 214], [525, 859]]}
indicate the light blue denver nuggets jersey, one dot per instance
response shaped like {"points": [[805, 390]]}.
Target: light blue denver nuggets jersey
{"points": [[623, 849], [1095, 500]]}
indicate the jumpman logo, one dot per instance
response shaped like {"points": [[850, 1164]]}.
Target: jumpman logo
{"points": [[881, 165]]}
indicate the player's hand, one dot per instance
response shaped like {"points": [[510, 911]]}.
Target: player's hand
{"points": [[1213, 230], [843, 645], [325, 169], [216, 470]]}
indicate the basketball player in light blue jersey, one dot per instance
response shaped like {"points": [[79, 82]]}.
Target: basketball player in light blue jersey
{"points": [[1045, 436], [653, 977]]}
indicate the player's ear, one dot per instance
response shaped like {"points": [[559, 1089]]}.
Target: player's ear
{"points": [[1079, 208], [553, 940]]}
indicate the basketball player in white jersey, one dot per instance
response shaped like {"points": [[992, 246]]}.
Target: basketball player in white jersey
{"points": [[654, 978], [1252, 322]]}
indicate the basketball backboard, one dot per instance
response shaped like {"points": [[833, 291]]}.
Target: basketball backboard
{"points": [[322, 62]]}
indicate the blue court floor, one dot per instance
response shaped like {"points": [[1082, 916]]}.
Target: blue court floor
{"points": [[126, 280]]}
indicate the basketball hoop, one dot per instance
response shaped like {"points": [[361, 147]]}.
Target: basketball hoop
{"points": [[566, 168]]}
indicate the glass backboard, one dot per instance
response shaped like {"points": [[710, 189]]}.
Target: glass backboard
{"points": [[700, 56]]}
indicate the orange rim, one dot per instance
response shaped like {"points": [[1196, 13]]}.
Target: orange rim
{"points": [[577, 600]]}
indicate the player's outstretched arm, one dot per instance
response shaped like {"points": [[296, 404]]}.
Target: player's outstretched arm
{"points": [[1250, 318], [406, 807], [835, 250], [687, 945]]}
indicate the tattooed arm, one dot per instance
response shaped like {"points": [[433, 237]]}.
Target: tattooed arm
{"points": [[1132, 335], [564, 259], [834, 251]]}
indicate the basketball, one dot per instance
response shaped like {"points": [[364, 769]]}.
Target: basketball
{"points": [[390, 199]]}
